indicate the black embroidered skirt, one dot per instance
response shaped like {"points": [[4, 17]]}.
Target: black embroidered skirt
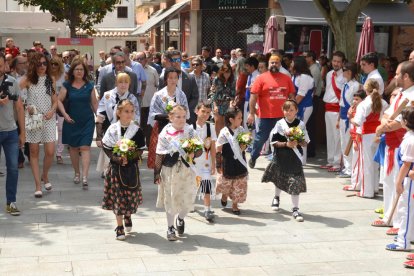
{"points": [[286, 172]]}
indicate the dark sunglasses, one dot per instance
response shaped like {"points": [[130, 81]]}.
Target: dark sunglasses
{"points": [[195, 64], [175, 60], [40, 64], [54, 64]]}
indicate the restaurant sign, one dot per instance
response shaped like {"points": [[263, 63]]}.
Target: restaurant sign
{"points": [[233, 4]]}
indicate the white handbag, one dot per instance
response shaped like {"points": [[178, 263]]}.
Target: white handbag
{"points": [[34, 121]]}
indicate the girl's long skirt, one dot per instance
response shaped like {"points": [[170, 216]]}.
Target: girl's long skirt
{"points": [[286, 172], [176, 189], [120, 200], [235, 189]]}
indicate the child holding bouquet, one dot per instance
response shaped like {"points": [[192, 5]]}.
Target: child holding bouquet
{"points": [[206, 163], [231, 160], [123, 143], [174, 170], [286, 172]]}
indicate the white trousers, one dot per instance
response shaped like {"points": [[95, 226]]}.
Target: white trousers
{"points": [[344, 134], [389, 187], [369, 173], [406, 211], [333, 139], [60, 146], [356, 168], [306, 115]]}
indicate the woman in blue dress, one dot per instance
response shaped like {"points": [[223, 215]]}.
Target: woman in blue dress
{"points": [[79, 117]]}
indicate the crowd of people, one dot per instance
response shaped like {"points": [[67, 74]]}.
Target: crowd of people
{"points": [[165, 103]]}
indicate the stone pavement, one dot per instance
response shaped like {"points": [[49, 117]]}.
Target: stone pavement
{"points": [[67, 233]]}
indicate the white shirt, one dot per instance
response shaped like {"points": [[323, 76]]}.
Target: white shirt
{"points": [[330, 96], [406, 94], [202, 132], [353, 87], [304, 83], [365, 108], [375, 75], [407, 147], [152, 85], [284, 71], [255, 74]]}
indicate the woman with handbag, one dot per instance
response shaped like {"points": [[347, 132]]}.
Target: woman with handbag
{"points": [[79, 117], [40, 113], [57, 72]]}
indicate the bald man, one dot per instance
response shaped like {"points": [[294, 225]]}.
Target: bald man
{"points": [[270, 90]]}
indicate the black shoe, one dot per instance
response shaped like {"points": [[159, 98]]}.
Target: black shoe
{"points": [[171, 234], [120, 233], [252, 163], [180, 224], [296, 215], [209, 216], [223, 203], [275, 203]]}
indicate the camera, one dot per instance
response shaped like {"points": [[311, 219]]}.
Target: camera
{"points": [[4, 90]]}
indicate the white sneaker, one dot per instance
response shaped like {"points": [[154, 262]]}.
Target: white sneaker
{"points": [[296, 215], [275, 203]]}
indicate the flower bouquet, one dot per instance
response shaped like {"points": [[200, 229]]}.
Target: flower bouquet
{"points": [[170, 104], [125, 148], [244, 138], [191, 145], [295, 134]]}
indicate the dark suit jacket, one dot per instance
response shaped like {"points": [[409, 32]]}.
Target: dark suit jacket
{"points": [[189, 87], [108, 83]]}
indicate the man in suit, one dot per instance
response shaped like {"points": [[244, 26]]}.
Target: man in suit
{"points": [[118, 66], [186, 82]]}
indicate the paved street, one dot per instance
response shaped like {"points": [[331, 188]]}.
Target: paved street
{"points": [[67, 233]]}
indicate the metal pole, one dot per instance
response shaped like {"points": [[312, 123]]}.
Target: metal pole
{"points": [[329, 46]]}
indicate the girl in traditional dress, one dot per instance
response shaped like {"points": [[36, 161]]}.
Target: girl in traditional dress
{"points": [[206, 163], [174, 170], [285, 170], [231, 161], [367, 116], [405, 188], [158, 115], [122, 193]]}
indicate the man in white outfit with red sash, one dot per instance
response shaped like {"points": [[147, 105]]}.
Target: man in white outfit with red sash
{"points": [[334, 84]]}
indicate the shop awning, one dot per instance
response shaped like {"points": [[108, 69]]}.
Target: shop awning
{"points": [[305, 12], [159, 17]]}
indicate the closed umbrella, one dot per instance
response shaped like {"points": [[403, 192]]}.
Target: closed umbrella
{"points": [[271, 35], [366, 41]]}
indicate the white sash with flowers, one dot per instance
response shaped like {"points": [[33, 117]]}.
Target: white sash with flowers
{"points": [[114, 134], [176, 147], [234, 145]]}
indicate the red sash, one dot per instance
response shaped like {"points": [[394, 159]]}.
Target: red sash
{"points": [[352, 130], [393, 140], [371, 124], [335, 88], [332, 107]]}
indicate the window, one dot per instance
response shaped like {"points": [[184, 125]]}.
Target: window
{"points": [[122, 12], [132, 45]]}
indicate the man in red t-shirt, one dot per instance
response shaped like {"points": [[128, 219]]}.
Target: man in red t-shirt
{"points": [[270, 90]]}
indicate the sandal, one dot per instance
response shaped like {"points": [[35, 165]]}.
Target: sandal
{"points": [[349, 188], [48, 186], [38, 194], [395, 247], [410, 257], [236, 212], [380, 223], [332, 169], [409, 264], [85, 183], [326, 166], [76, 179], [59, 160], [392, 231]]}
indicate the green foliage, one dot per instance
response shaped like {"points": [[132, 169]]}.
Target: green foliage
{"points": [[80, 14]]}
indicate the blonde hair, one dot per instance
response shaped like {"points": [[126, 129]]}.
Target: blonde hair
{"points": [[177, 108], [123, 77], [371, 86], [121, 105]]}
